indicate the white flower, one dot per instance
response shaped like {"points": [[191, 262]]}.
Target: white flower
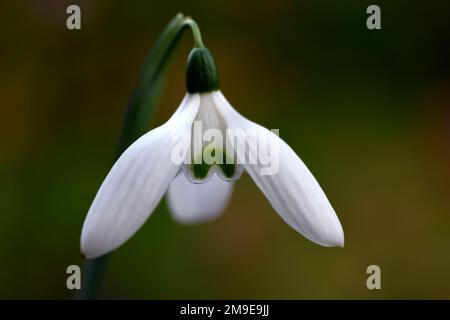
{"points": [[146, 170]]}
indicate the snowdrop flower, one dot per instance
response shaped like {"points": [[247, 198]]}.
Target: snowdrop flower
{"points": [[198, 191]]}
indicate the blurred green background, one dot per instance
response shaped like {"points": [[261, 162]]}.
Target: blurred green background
{"points": [[368, 112]]}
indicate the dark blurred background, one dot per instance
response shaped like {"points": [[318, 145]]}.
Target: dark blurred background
{"points": [[368, 112]]}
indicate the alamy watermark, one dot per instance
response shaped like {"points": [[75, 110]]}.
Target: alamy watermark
{"points": [[373, 22], [256, 146], [73, 281], [73, 21], [374, 280]]}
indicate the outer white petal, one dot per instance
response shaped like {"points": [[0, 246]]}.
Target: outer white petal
{"points": [[198, 202], [293, 191], [136, 183]]}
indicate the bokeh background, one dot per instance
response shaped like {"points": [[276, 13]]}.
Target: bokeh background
{"points": [[368, 112]]}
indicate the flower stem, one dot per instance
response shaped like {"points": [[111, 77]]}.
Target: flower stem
{"points": [[195, 32], [137, 116]]}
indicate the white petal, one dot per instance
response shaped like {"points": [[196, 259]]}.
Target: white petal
{"points": [[198, 202], [136, 183], [293, 191]]}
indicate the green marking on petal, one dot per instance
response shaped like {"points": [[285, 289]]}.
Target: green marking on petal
{"points": [[201, 170], [228, 169]]}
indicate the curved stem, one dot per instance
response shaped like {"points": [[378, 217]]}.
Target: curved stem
{"points": [[195, 32]]}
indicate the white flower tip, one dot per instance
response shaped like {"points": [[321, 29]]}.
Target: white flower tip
{"points": [[86, 251], [341, 239], [338, 241], [91, 246], [333, 238], [194, 221]]}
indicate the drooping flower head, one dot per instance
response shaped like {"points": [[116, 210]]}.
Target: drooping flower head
{"points": [[195, 157]]}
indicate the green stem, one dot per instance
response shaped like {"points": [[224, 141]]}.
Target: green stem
{"points": [[195, 32], [138, 114]]}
